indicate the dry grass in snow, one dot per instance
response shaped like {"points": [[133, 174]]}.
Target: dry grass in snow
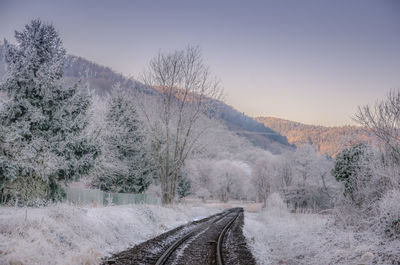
{"points": [[276, 236], [63, 234]]}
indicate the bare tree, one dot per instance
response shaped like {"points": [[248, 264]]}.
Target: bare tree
{"points": [[186, 92], [383, 120]]}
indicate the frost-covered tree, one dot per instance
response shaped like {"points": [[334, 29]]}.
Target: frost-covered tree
{"points": [[125, 165], [348, 164], [229, 180], [43, 143], [305, 179], [304, 160], [383, 120], [184, 186], [200, 173], [262, 176], [285, 172], [185, 87]]}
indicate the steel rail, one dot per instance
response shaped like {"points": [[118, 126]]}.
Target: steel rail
{"points": [[221, 239]]}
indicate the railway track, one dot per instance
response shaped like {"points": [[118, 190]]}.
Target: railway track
{"points": [[216, 240], [221, 238], [167, 254]]}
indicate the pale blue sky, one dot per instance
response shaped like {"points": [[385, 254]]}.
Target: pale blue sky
{"points": [[308, 61]]}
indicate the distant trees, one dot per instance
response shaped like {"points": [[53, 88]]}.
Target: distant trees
{"points": [[303, 178], [228, 180], [263, 174], [186, 89], [42, 139], [125, 165], [325, 140], [202, 180], [219, 179]]}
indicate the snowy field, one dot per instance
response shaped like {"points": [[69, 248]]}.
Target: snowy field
{"points": [[63, 234], [276, 236]]}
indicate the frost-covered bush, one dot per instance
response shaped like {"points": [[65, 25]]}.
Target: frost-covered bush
{"points": [[28, 189], [310, 197], [275, 204], [389, 213]]}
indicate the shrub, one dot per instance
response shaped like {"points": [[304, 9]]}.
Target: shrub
{"points": [[389, 213]]}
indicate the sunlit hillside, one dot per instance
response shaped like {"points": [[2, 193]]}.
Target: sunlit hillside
{"points": [[326, 140]]}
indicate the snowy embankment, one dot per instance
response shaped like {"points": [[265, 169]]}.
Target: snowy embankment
{"points": [[276, 236], [63, 234]]}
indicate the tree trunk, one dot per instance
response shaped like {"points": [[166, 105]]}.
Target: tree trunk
{"points": [[168, 190]]}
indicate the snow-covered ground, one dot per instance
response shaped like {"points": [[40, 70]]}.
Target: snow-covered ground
{"points": [[276, 236], [64, 234]]}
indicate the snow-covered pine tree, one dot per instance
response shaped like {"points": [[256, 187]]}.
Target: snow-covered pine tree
{"points": [[43, 143], [351, 165], [184, 185], [126, 168]]}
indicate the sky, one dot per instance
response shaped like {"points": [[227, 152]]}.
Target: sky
{"points": [[309, 61]]}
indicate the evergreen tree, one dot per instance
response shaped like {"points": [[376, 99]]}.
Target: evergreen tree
{"points": [[184, 185], [348, 164], [42, 142], [126, 166]]}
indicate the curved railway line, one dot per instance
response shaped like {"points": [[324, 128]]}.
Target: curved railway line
{"points": [[221, 238], [164, 258], [215, 240]]}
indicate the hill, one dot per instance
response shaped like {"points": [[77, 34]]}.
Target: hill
{"points": [[101, 79], [326, 140], [257, 133]]}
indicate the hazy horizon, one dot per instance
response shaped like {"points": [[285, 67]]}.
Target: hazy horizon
{"points": [[312, 62]]}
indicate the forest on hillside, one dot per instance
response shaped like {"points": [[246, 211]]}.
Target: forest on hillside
{"points": [[325, 140]]}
